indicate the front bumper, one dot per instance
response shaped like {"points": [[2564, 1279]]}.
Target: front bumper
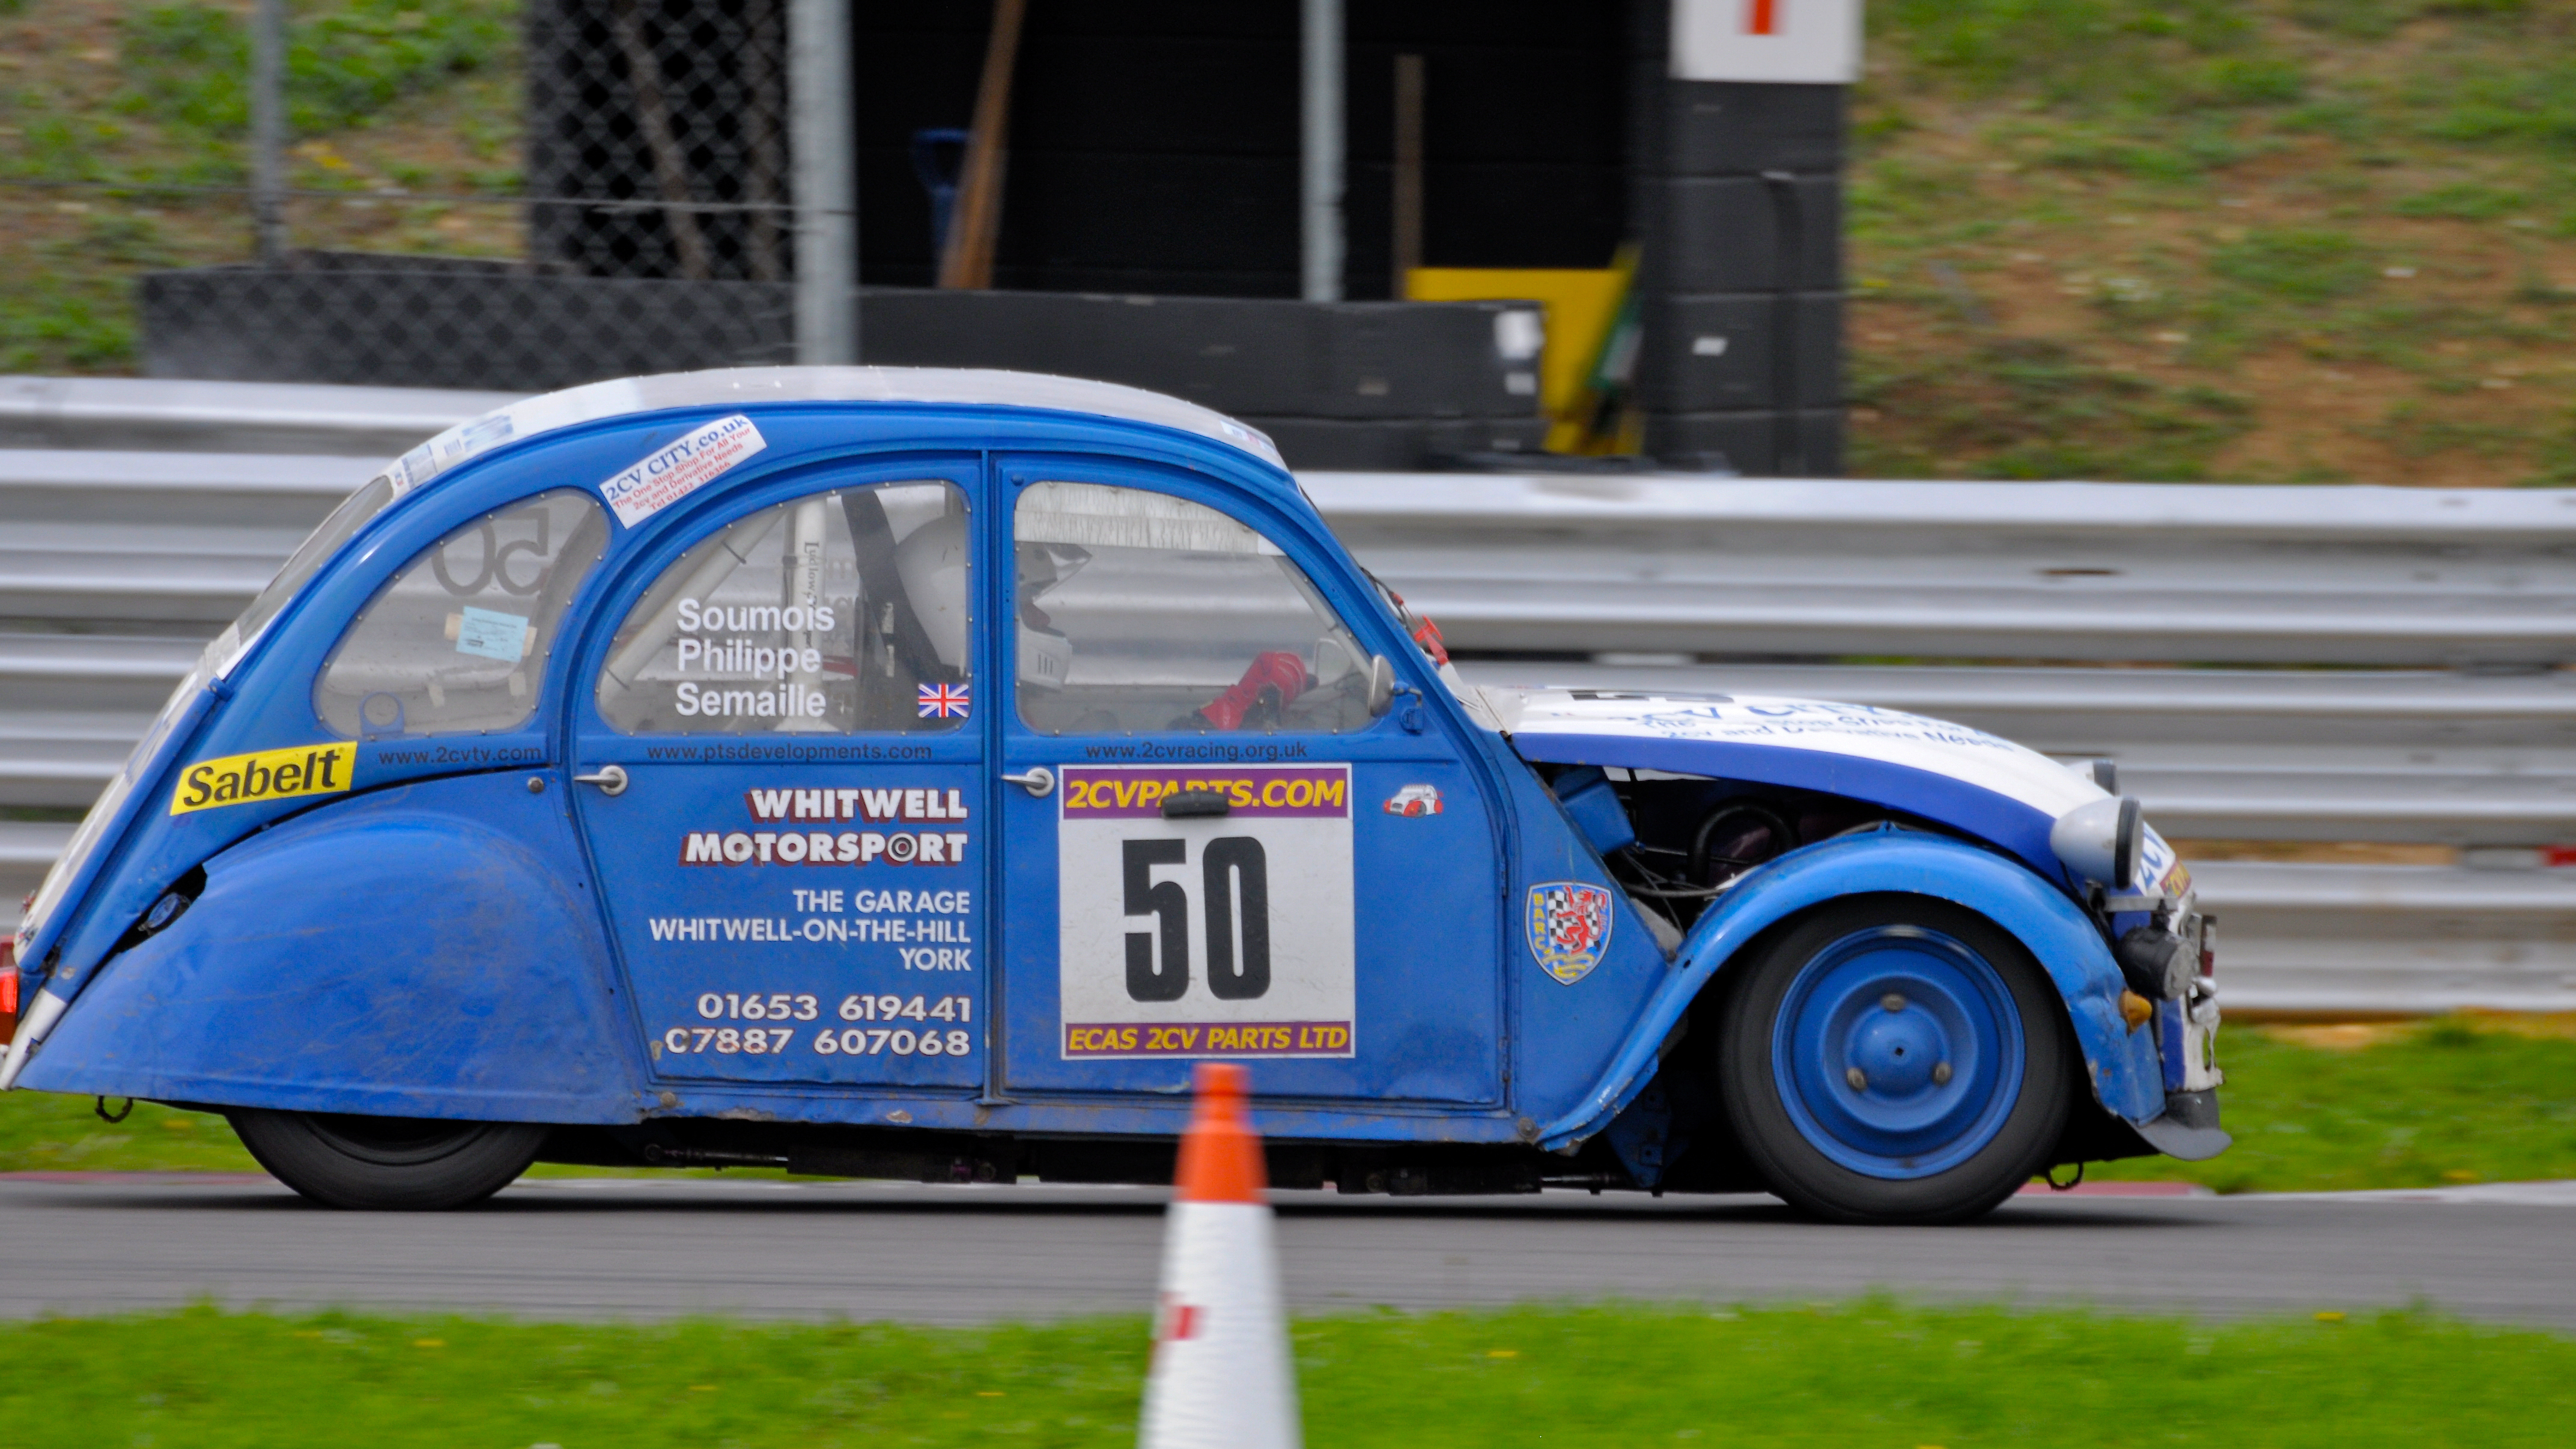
{"points": [[2189, 1127]]}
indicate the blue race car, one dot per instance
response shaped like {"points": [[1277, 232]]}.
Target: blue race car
{"points": [[892, 773]]}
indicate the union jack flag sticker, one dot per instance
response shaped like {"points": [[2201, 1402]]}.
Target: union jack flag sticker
{"points": [[943, 701]]}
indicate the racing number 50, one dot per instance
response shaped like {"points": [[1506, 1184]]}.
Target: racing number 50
{"points": [[1233, 867]]}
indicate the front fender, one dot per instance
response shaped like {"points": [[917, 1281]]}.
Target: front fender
{"points": [[424, 951], [2126, 1075]]}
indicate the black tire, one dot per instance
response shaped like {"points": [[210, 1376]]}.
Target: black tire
{"points": [[388, 1164], [1877, 1153]]}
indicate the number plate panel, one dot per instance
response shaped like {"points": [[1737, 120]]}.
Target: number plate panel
{"points": [[1228, 936]]}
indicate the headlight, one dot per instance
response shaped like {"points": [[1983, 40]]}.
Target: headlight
{"points": [[2101, 841]]}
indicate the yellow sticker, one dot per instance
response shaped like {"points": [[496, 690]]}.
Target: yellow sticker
{"points": [[265, 775]]}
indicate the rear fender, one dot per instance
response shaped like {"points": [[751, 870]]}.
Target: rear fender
{"points": [[428, 950], [2126, 1075]]}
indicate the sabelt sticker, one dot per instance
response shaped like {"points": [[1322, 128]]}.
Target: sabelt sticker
{"points": [[1569, 928], [1207, 935], [264, 775], [657, 482]]}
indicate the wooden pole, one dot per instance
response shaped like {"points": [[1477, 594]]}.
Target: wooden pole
{"points": [[1408, 171], [653, 117], [977, 227]]}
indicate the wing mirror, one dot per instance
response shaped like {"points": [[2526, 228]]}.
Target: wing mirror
{"points": [[1381, 684]]}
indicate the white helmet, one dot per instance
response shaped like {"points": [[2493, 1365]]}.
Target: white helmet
{"points": [[931, 561]]}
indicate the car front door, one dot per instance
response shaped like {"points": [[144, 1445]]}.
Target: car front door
{"points": [[1213, 846], [783, 789]]}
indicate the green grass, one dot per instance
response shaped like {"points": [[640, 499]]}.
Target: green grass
{"points": [[2446, 1104], [1872, 1372], [2060, 416], [113, 112], [2453, 1101], [2328, 213], [46, 1132], [187, 64]]}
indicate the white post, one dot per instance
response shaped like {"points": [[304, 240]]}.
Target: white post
{"points": [[826, 182], [268, 129], [1323, 150]]}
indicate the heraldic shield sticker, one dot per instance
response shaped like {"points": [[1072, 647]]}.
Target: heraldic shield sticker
{"points": [[1569, 928]]}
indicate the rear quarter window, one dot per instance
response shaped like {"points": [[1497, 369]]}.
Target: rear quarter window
{"points": [[458, 641]]}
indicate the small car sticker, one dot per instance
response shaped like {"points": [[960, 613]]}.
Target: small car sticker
{"points": [[1569, 928], [657, 482], [943, 701], [265, 775], [1414, 800], [1206, 934], [491, 634]]}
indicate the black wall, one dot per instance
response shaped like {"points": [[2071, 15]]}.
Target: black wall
{"points": [[1735, 191], [1154, 143]]}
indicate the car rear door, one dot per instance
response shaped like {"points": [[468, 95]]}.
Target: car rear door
{"points": [[781, 780]]}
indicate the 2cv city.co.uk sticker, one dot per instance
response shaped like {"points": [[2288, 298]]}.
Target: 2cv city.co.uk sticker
{"points": [[1205, 935], [672, 473]]}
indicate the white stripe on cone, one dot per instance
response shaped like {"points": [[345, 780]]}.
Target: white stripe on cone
{"points": [[1221, 1377]]}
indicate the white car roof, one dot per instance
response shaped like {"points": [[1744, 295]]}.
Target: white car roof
{"points": [[720, 386]]}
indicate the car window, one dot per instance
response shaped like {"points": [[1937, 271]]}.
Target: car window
{"points": [[459, 640], [1142, 613], [836, 613]]}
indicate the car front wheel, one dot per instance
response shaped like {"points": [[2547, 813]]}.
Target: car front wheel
{"points": [[388, 1163], [1895, 1059]]}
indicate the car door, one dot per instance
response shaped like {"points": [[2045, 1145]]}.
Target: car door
{"points": [[1213, 847], [780, 774]]}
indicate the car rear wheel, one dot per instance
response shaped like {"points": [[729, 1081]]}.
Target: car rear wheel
{"points": [[1894, 1059], [388, 1163]]}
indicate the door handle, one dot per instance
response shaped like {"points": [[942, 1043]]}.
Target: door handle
{"points": [[1038, 780], [1195, 804], [611, 779]]}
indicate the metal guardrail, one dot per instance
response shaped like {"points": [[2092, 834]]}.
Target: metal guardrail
{"points": [[118, 557], [228, 417], [2030, 571]]}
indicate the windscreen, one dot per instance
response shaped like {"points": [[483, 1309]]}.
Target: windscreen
{"points": [[315, 551]]}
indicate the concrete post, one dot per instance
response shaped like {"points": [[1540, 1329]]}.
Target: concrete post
{"points": [[1323, 150], [824, 163]]}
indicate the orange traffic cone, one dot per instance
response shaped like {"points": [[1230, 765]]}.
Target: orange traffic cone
{"points": [[1221, 1377]]}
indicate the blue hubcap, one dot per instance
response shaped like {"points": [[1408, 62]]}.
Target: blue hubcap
{"points": [[1898, 1052]]}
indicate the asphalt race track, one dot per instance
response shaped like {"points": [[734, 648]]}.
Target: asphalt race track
{"points": [[636, 1248]]}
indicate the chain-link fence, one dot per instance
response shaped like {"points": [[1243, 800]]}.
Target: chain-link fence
{"points": [[532, 194], [493, 193]]}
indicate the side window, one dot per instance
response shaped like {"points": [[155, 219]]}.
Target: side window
{"points": [[459, 640], [1141, 613], [835, 613]]}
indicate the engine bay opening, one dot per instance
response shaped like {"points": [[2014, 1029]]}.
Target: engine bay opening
{"points": [[1677, 842]]}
